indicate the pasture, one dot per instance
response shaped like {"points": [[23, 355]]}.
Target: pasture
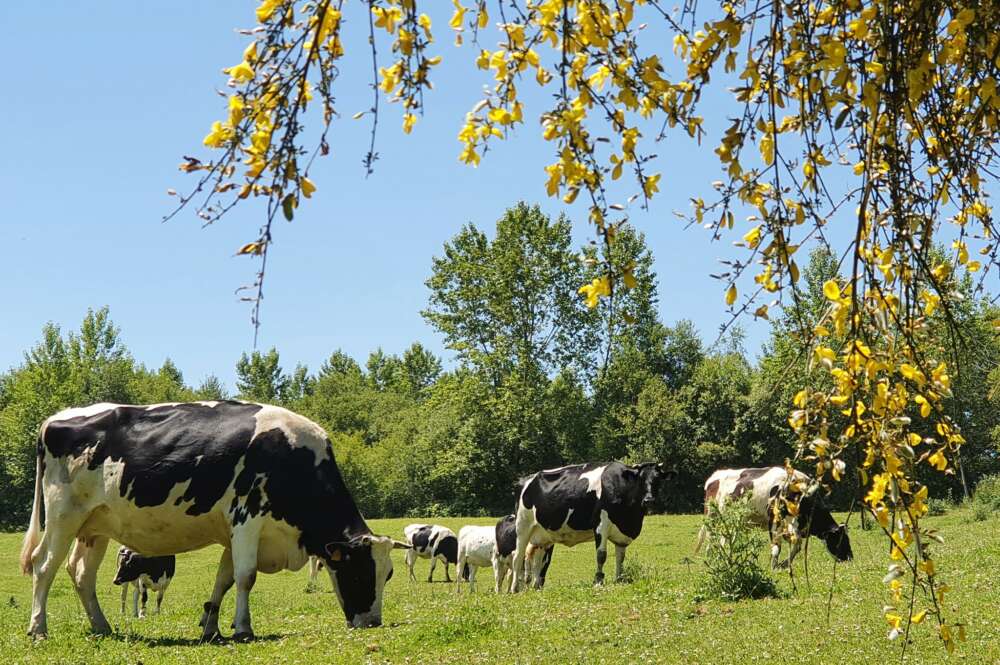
{"points": [[655, 618]]}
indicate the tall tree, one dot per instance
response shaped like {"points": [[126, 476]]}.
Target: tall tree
{"points": [[259, 376], [510, 302]]}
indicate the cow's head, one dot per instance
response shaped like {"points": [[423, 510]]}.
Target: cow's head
{"points": [[837, 542], [651, 475], [123, 574], [359, 569]]}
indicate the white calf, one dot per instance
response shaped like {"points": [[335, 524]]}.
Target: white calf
{"points": [[475, 550]]}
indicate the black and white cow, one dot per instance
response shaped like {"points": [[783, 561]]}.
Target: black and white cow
{"points": [[584, 502], [259, 480], [536, 559], [143, 574], [434, 542], [764, 484]]}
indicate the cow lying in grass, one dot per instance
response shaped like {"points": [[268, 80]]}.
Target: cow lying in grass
{"points": [[764, 484]]}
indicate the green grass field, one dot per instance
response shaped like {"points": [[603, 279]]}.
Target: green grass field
{"points": [[657, 618]]}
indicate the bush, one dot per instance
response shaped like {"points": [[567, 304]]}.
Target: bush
{"points": [[937, 506], [987, 493], [732, 554]]}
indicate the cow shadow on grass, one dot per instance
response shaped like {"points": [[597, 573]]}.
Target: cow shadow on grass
{"points": [[172, 641]]}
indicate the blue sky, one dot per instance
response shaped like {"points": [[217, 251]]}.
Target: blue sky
{"points": [[110, 95]]}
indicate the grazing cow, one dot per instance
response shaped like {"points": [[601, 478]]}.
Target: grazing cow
{"points": [[583, 502], [431, 541], [536, 560], [259, 480], [143, 573], [764, 484]]}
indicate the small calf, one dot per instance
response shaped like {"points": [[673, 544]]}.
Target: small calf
{"points": [[144, 573], [431, 541], [536, 561]]}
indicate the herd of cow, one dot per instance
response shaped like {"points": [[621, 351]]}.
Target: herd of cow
{"points": [[262, 482]]}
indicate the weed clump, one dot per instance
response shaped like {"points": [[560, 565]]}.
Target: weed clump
{"points": [[732, 554]]}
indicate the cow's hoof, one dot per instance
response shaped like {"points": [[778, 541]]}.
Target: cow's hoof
{"points": [[38, 635], [599, 580], [211, 637], [101, 630], [243, 637]]}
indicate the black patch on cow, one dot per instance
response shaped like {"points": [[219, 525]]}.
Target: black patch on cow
{"points": [[168, 445], [506, 534], [745, 482], [131, 566], [421, 539], [448, 548], [554, 493]]}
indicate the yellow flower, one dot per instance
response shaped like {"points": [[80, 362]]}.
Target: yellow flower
{"points": [[266, 10], [600, 286], [831, 290], [219, 135], [307, 187], [408, 121], [242, 72]]}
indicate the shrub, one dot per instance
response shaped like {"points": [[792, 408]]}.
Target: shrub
{"points": [[732, 554], [987, 493]]}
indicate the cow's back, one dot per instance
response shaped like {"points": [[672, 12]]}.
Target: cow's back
{"points": [[762, 484]]}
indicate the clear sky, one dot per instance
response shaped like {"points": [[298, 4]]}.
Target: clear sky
{"points": [[102, 99]]}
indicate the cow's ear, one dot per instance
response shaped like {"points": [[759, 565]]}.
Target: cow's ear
{"points": [[399, 545], [336, 551]]}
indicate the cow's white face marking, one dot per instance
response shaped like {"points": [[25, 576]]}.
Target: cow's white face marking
{"points": [[593, 479]]}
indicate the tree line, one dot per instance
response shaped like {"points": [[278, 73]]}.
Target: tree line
{"points": [[539, 380]]}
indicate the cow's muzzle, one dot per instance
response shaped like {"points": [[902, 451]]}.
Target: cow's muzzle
{"points": [[367, 620]]}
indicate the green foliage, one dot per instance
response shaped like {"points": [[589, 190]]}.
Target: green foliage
{"points": [[732, 554], [987, 493], [259, 377]]}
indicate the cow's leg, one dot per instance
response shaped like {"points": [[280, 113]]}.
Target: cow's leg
{"points": [[472, 578], [620, 562], [48, 555], [159, 595], [546, 560], [447, 578], [246, 539], [601, 545], [124, 595], [702, 533], [411, 559], [144, 592], [523, 526], [459, 576], [82, 566], [499, 571], [775, 553], [223, 581], [135, 598], [313, 572], [430, 576], [793, 549]]}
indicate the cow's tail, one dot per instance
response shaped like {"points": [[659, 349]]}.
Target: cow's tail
{"points": [[465, 572], [33, 535]]}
